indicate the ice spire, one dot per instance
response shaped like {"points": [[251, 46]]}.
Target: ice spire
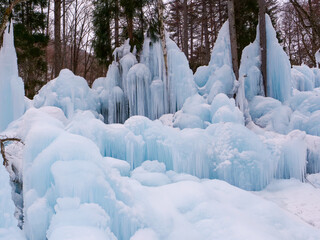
{"points": [[11, 86]]}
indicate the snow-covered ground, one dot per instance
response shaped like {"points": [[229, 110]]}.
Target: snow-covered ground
{"points": [[300, 199]]}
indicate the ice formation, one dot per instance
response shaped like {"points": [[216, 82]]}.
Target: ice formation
{"points": [[218, 76], [12, 104], [145, 88], [278, 68], [68, 92]]}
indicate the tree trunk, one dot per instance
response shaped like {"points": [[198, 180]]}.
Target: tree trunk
{"points": [[185, 28], [130, 30], [233, 38], [64, 33], [116, 23], [75, 61], [57, 37], [263, 43]]}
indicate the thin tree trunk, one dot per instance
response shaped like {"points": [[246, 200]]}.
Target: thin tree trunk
{"points": [[75, 63], [64, 33], [47, 34], [164, 47], [233, 38], [185, 28], [57, 37], [263, 43]]}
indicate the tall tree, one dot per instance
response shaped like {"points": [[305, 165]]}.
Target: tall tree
{"points": [[102, 45], [57, 37]]}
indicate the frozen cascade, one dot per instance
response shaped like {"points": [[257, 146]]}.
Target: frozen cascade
{"points": [[12, 104], [278, 67], [144, 84], [250, 69], [138, 90]]}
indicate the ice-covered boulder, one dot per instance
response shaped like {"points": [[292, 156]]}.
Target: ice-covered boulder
{"points": [[12, 103]]}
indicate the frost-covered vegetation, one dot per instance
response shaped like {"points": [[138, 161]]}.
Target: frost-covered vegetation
{"points": [[153, 154]]}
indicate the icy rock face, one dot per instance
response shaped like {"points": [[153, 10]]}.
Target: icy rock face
{"points": [[68, 92], [218, 76], [278, 66], [8, 223], [12, 104]]}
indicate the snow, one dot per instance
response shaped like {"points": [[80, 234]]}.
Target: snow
{"points": [[12, 104]]}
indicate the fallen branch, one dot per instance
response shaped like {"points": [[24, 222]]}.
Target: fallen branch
{"points": [[2, 146]]}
